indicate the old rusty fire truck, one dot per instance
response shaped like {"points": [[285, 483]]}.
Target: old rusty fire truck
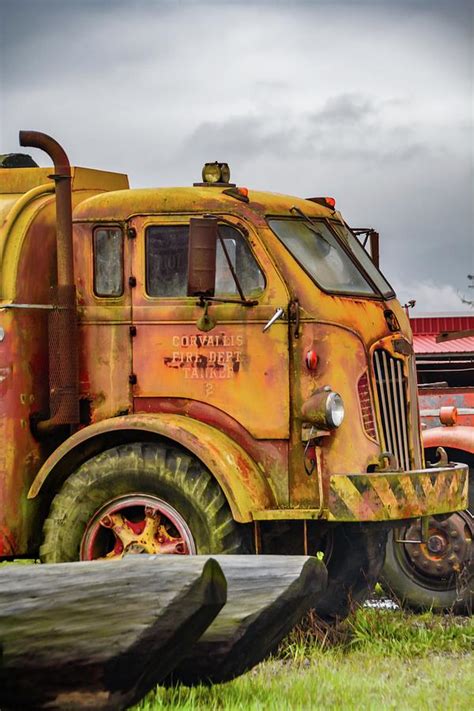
{"points": [[201, 369]]}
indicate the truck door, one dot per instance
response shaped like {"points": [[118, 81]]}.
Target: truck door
{"points": [[183, 353], [102, 265]]}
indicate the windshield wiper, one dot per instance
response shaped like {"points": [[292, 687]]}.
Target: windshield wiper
{"points": [[312, 225]]}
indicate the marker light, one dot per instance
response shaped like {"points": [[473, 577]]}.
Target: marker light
{"points": [[216, 173], [311, 360], [2, 334], [324, 201], [241, 194]]}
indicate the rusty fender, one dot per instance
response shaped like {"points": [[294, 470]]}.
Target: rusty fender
{"points": [[455, 437], [243, 483]]}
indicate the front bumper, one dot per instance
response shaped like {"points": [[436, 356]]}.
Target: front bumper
{"points": [[388, 496]]}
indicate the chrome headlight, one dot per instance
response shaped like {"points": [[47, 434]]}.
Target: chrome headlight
{"points": [[324, 408], [334, 410]]}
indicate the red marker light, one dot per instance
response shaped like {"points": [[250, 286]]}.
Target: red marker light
{"points": [[324, 201], [311, 360], [241, 194]]}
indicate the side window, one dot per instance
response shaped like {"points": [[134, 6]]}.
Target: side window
{"points": [[167, 262], [108, 261], [250, 277]]}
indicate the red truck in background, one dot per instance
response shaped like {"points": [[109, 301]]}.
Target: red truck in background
{"points": [[439, 574]]}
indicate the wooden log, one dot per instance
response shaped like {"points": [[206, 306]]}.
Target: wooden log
{"points": [[100, 635], [266, 597]]}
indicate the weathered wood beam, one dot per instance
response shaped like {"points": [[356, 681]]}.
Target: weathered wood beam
{"points": [[100, 635], [267, 595]]}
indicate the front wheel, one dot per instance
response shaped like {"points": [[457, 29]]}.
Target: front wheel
{"points": [[438, 574], [435, 575], [139, 498]]}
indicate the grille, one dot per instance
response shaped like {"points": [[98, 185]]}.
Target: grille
{"points": [[366, 405], [391, 389]]}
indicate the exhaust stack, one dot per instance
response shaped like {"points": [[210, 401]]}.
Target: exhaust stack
{"points": [[62, 325]]}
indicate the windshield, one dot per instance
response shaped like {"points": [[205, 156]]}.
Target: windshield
{"points": [[320, 254], [361, 256]]}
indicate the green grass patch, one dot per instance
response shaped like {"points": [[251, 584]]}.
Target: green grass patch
{"points": [[381, 631], [377, 659]]}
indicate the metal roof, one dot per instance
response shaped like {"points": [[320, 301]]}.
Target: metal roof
{"points": [[426, 328], [427, 344]]}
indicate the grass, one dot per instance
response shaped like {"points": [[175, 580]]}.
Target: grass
{"points": [[378, 659]]}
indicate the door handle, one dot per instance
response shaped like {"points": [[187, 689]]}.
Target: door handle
{"points": [[278, 314]]}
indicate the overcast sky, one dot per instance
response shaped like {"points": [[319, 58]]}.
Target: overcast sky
{"points": [[369, 102]]}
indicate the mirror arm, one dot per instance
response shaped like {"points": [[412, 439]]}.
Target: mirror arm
{"points": [[222, 300]]}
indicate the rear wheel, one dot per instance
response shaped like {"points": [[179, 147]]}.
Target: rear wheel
{"points": [[139, 498], [352, 552], [354, 555]]}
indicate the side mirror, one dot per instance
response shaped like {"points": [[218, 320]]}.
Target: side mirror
{"points": [[374, 247], [202, 256]]}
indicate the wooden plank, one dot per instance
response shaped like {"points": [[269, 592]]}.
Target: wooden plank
{"points": [[267, 596], [99, 635], [454, 335]]}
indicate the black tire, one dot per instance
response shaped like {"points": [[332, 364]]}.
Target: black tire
{"points": [[354, 560], [415, 591], [155, 470]]}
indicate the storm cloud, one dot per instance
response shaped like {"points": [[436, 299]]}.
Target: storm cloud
{"points": [[368, 101]]}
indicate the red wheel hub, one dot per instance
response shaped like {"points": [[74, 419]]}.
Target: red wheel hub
{"points": [[136, 523]]}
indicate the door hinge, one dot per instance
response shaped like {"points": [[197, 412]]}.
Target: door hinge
{"points": [[132, 379], [132, 281], [133, 331]]}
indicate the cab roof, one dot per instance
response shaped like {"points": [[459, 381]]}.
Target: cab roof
{"points": [[121, 205]]}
